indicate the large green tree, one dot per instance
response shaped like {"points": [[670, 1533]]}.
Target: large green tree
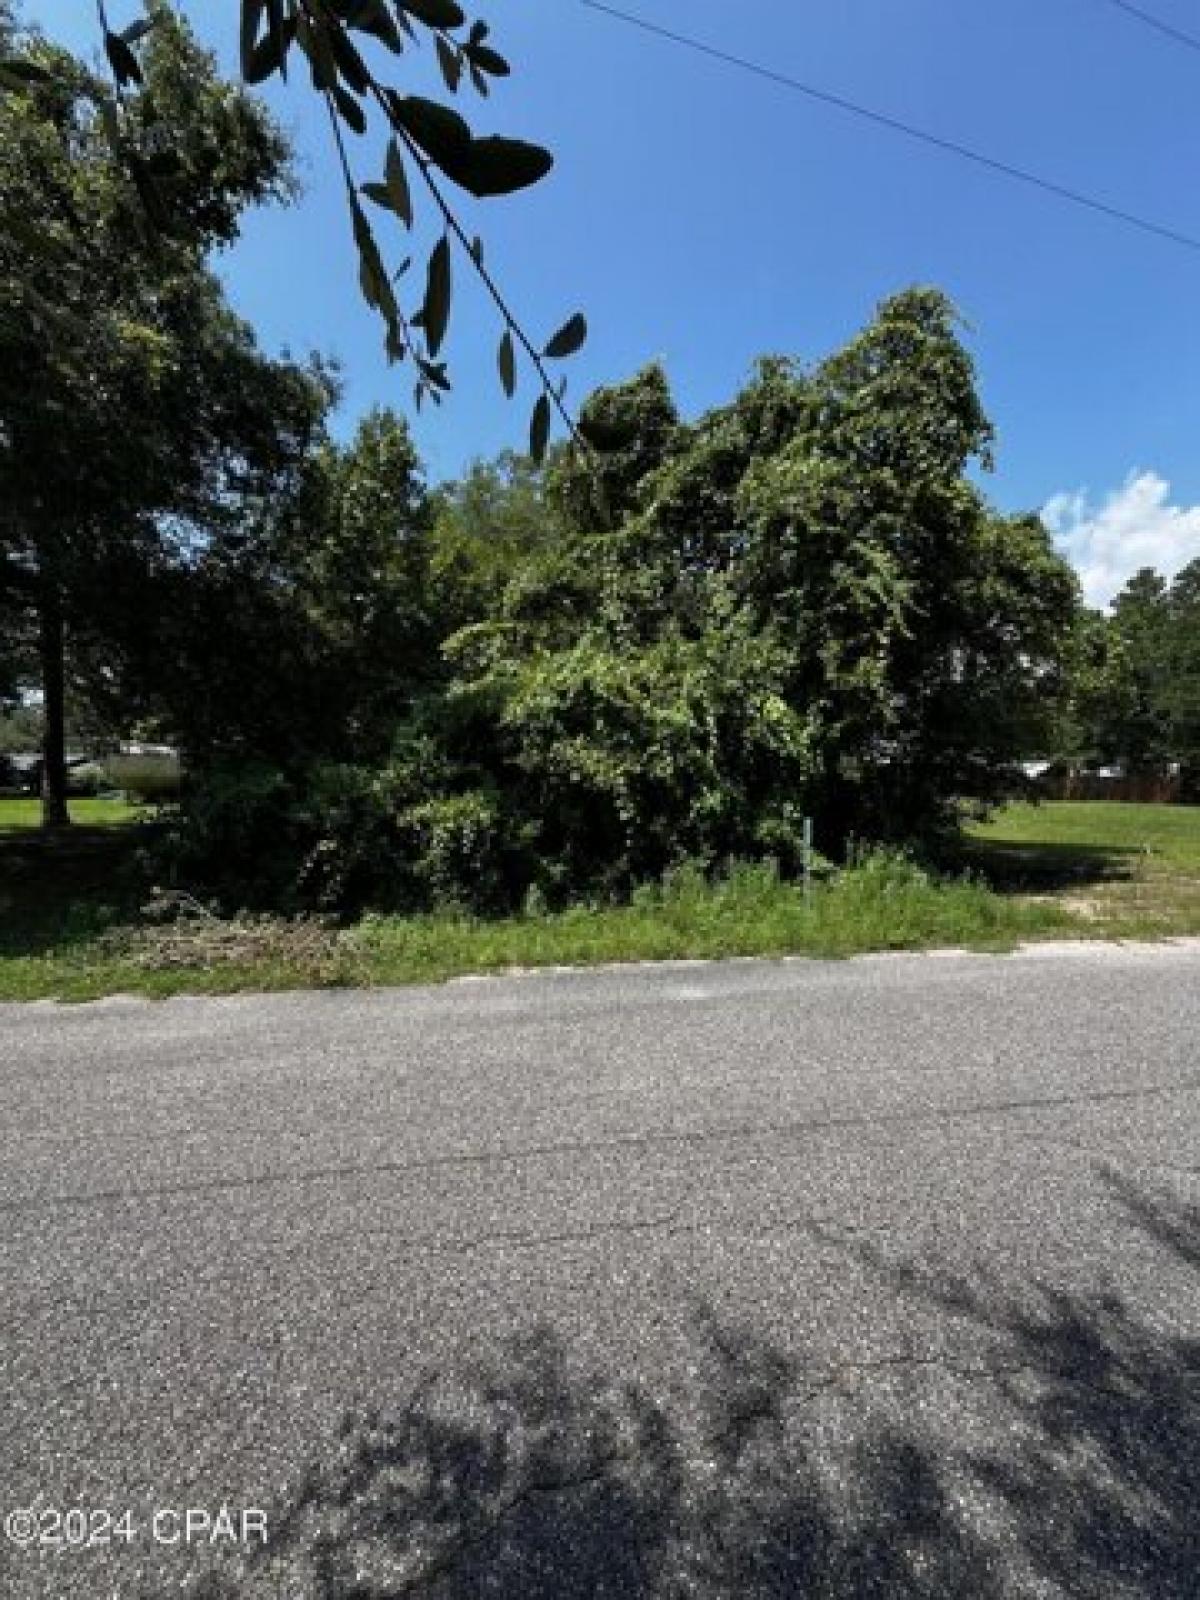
{"points": [[487, 525], [1183, 691], [1136, 697], [135, 409], [307, 631]]}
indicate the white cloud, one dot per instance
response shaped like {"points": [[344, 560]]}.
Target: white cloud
{"points": [[1136, 526]]}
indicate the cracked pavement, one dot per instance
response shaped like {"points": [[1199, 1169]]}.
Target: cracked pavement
{"points": [[745, 1279]]}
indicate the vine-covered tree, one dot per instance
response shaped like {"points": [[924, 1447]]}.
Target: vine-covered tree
{"points": [[800, 605]]}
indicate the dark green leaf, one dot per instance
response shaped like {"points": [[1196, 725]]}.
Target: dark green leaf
{"points": [[488, 60], [441, 133], [397, 184], [393, 193], [137, 30], [479, 32], [436, 310], [496, 166], [372, 17], [270, 55], [377, 290], [252, 15], [349, 63], [18, 73], [435, 13], [435, 373], [450, 62], [277, 28], [350, 109], [125, 65], [314, 41], [507, 362], [570, 337], [539, 429], [368, 283]]}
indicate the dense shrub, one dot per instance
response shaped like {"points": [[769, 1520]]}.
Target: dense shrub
{"points": [[342, 839], [234, 836], [463, 851]]}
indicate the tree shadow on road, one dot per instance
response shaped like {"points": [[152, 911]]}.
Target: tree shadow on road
{"points": [[1104, 1491], [528, 1476], [530, 1482]]}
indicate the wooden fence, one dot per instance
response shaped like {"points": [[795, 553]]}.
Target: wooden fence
{"points": [[1144, 790]]}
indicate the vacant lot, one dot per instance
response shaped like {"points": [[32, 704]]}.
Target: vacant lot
{"points": [[71, 922]]}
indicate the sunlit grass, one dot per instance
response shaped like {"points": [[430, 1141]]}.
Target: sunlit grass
{"points": [[1160, 837], [20, 814], [1128, 870]]}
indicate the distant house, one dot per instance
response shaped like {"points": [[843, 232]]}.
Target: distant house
{"points": [[23, 771], [150, 771], [1065, 780]]}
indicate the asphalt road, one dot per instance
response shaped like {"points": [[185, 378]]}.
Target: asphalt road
{"points": [[790, 1279]]}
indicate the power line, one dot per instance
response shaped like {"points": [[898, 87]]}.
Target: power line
{"points": [[784, 81], [1151, 21]]}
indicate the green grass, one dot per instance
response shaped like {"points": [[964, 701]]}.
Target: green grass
{"points": [[1126, 870], [886, 904], [1170, 835], [1053, 871], [22, 815]]}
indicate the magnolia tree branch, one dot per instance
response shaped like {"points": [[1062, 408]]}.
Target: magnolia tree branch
{"points": [[552, 390], [424, 134]]}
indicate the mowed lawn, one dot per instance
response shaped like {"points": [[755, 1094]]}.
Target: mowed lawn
{"points": [[20, 815], [1126, 869]]}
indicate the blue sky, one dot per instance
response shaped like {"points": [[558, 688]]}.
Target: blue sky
{"points": [[705, 217]]}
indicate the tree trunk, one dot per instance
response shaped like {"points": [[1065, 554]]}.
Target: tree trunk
{"points": [[54, 742]]}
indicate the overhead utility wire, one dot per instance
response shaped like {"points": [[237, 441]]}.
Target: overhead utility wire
{"points": [[1151, 21], [1188, 241]]}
